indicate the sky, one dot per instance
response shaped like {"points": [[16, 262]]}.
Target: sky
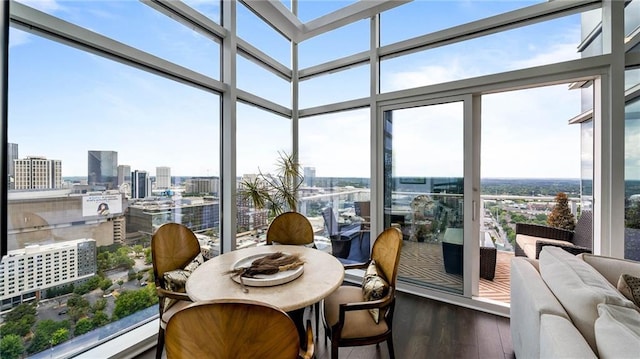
{"points": [[64, 102]]}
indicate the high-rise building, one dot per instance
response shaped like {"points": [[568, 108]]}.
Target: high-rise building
{"points": [[140, 184], [37, 173], [208, 185], [103, 169], [124, 174], [12, 154], [309, 176], [163, 177]]}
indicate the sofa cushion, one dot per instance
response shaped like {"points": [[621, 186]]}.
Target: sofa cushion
{"points": [[579, 288], [617, 332], [610, 267]]}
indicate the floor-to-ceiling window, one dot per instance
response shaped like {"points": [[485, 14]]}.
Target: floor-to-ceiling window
{"points": [[103, 153], [632, 181], [159, 104]]}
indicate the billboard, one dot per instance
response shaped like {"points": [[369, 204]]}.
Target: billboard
{"points": [[101, 205]]}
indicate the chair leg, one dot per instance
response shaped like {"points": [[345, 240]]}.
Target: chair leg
{"points": [[390, 347], [334, 349], [316, 310], [160, 345]]}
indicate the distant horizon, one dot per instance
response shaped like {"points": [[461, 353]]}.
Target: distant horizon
{"points": [[482, 178]]}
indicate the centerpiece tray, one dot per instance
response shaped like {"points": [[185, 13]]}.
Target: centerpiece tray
{"points": [[265, 280]]}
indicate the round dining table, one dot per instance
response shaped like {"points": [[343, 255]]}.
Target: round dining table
{"points": [[321, 275]]}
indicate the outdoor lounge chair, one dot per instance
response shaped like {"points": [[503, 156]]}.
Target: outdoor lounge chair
{"points": [[531, 238]]}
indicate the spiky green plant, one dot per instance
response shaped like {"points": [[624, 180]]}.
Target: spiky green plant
{"points": [[276, 192]]}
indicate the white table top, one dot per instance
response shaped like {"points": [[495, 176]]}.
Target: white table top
{"points": [[323, 274]]}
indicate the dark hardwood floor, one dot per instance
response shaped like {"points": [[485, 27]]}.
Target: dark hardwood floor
{"points": [[424, 328]]}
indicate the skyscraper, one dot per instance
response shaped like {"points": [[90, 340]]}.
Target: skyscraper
{"points": [[12, 154], [163, 177], [37, 173], [103, 169], [309, 176], [140, 184], [124, 174]]}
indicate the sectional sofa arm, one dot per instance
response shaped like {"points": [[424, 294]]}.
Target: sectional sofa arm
{"points": [[536, 230], [571, 248]]}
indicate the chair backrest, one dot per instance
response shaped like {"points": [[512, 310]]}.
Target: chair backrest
{"points": [[363, 209], [290, 228], [330, 221], [231, 329], [583, 232], [173, 246], [386, 253]]}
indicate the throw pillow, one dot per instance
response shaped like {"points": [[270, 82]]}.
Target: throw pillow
{"points": [[176, 279], [374, 287], [629, 286]]}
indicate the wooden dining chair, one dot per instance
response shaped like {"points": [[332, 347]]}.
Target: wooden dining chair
{"points": [[290, 228], [173, 247], [223, 329], [350, 312], [293, 228]]}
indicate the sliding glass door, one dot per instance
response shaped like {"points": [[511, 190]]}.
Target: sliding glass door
{"points": [[424, 190]]}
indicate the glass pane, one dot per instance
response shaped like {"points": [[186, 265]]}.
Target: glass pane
{"points": [[210, 9], [632, 180], [140, 26], [335, 153], [519, 179], [539, 44], [259, 34], [422, 17], [309, 10], [78, 127], [424, 188], [347, 40], [586, 167], [254, 79], [529, 154], [255, 157], [353, 84]]}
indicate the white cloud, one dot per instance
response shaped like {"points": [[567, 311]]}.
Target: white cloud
{"points": [[18, 37], [426, 75], [556, 53], [47, 6]]}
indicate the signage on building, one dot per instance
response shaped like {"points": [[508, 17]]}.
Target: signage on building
{"points": [[101, 205]]}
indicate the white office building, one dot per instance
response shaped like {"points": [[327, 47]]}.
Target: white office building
{"points": [[25, 273], [37, 173], [163, 177]]}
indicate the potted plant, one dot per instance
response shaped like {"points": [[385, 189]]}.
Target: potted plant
{"points": [[276, 192]]}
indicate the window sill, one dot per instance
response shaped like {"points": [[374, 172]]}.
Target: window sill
{"points": [[127, 345]]}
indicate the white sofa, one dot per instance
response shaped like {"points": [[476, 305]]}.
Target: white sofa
{"points": [[567, 306]]}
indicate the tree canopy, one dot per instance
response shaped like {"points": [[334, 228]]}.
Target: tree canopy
{"points": [[561, 216]]}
